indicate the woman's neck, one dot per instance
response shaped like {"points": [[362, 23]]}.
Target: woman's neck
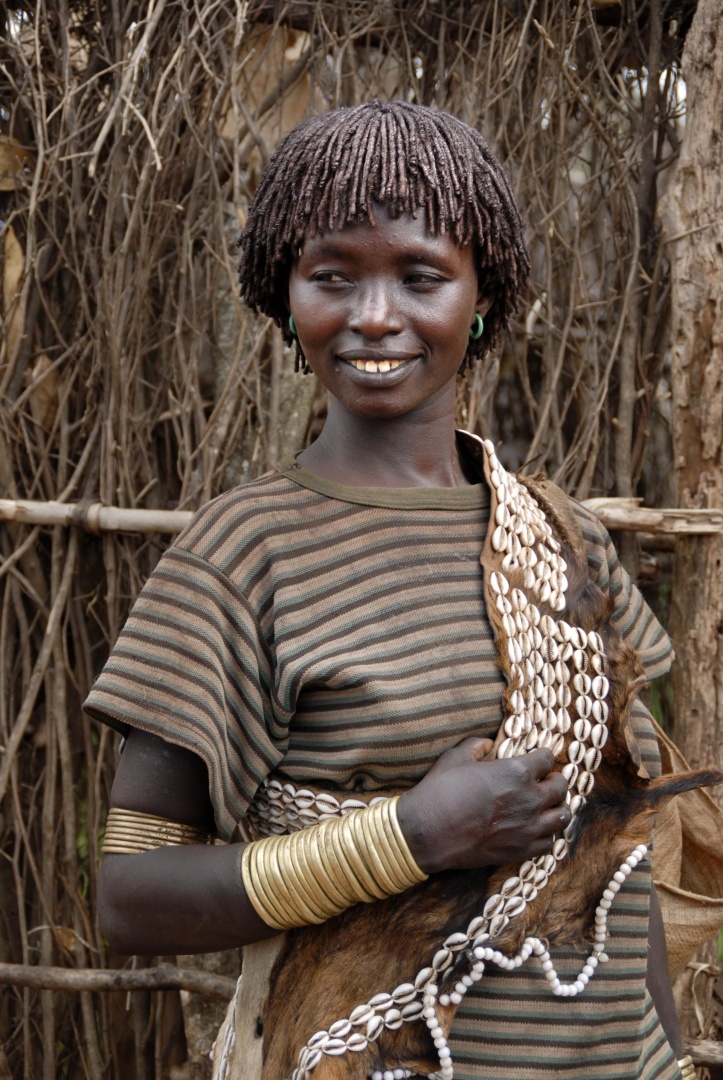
{"points": [[410, 451]]}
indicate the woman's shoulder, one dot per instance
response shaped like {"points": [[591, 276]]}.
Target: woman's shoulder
{"points": [[253, 509]]}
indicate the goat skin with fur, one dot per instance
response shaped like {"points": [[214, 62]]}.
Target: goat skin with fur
{"points": [[323, 972]]}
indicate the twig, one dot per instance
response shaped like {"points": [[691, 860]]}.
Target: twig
{"points": [[163, 977]]}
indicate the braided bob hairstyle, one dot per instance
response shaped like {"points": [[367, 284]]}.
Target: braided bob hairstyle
{"points": [[330, 170]]}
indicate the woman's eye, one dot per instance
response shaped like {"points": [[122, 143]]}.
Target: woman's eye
{"points": [[421, 278], [332, 277]]}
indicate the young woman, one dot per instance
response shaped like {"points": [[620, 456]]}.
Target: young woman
{"points": [[324, 635]]}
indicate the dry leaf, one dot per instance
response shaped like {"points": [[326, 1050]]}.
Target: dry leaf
{"points": [[44, 395], [66, 937], [14, 159], [13, 269]]}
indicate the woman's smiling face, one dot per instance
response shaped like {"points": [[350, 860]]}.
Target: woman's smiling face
{"points": [[384, 312]]}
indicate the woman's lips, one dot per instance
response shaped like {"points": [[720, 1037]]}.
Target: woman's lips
{"points": [[381, 369]]}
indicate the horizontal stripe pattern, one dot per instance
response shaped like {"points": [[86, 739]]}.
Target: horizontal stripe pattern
{"points": [[338, 636]]}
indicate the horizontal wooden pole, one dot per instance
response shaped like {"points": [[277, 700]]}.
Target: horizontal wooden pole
{"points": [[616, 514], [705, 1052], [104, 980]]}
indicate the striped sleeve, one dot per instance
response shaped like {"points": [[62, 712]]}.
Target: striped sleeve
{"points": [[192, 667], [631, 616]]}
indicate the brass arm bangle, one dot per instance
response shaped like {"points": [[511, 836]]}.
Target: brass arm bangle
{"points": [[318, 872], [128, 832], [687, 1068]]}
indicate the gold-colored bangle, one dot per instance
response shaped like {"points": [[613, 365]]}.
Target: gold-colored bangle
{"points": [[406, 859], [381, 840], [314, 896], [348, 837], [129, 832], [687, 1068], [319, 871]]}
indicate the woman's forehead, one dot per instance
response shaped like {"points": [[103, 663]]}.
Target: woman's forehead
{"points": [[406, 233]]}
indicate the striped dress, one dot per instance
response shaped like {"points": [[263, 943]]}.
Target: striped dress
{"points": [[337, 636]]}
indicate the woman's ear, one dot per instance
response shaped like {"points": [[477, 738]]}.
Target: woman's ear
{"points": [[484, 303]]}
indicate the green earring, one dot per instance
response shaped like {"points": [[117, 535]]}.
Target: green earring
{"points": [[476, 331], [292, 326]]}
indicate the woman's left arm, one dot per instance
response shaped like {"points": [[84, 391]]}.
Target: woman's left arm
{"points": [[658, 977]]}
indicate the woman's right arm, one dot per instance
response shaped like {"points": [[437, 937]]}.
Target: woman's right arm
{"points": [[466, 812], [182, 899]]}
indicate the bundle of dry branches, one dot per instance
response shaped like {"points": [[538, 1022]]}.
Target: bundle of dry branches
{"points": [[131, 138]]}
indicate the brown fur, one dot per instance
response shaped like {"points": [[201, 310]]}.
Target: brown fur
{"points": [[326, 971]]}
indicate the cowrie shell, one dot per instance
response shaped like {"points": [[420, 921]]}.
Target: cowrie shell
{"points": [[595, 641], [540, 878], [600, 687], [598, 663], [576, 804], [499, 538], [549, 719], [531, 739], [517, 701], [549, 697], [561, 603], [562, 672], [498, 924], [580, 660], [570, 773], [533, 614], [519, 600], [514, 652], [335, 1047], [327, 803], [549, 649], [581, 682], [544, 740], [515, 906], [547, 674], [548, 627], [455, 942], [357, 1042], [406, 991], [529, 892], [508, 624], [599, 736], [382, 1001], [393, 1019], [543, 591], [527, 871], [559, 848], [506, 749], [502, 515], [475, 926], [503, 605], [423, 977], [583, 706], [441, 959], [493, 905], [558, 744], [585, 783], [548, 863], [567, 651], [563, 720], [510, 887], [543, 571], [600, 711], [340, 1028], [499, 583], [593, 757], [321, 1038], [375, 1027], [564, 697], [582, 729], [528, 578], [412, 1011]]}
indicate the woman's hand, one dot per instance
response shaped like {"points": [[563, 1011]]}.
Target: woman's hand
{"points": [[469, 812]]}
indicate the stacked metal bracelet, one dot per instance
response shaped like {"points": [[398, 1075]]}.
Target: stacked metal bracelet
{"points": [[687, 1068], [128, 832], [316, 873]]}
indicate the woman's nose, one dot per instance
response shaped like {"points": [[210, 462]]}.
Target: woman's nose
{"points": [[376, 312]]}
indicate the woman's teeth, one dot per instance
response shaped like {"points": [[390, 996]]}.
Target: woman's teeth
{"points": [[375, 365]]}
